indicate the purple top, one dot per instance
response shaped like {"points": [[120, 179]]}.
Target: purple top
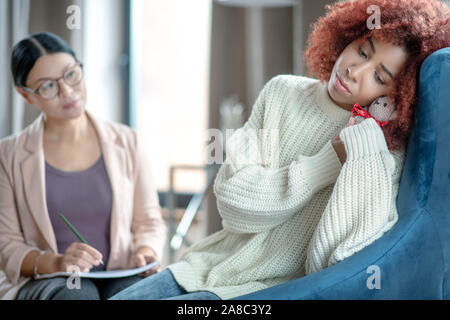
{"points": [[85, 199]]}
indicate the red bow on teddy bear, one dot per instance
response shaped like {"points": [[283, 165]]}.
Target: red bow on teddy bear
{"points": [[359, 111]]}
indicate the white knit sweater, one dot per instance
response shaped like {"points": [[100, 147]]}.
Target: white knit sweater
{"points": [[291, 208]]}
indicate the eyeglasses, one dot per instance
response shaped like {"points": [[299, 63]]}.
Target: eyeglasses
{"points": [[50, 88]]}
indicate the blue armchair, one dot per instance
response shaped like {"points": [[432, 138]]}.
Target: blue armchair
{"points": [[413, 259]]}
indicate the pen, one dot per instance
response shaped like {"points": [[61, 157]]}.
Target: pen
{"points": [[75, 231]]}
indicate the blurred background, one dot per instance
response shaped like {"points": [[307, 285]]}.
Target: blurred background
{"points": [[170, 70]]}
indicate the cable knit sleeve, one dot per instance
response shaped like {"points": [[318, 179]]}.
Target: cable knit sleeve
{"points": [[362, 206], [254, 193]]}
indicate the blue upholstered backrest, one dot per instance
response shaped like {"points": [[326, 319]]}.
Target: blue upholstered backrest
{"points": [[425, 183]]}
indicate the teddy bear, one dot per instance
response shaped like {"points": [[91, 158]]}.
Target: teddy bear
{"points": [[381, 109]]}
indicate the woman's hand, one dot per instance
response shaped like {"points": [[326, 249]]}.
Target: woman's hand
{"points": [[339, 146], [80, 255], [144, 256]]}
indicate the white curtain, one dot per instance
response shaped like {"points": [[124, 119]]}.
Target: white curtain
{"points": [[14, 16]]}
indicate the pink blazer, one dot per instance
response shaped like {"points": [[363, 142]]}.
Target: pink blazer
{"points": [[24, 221]]}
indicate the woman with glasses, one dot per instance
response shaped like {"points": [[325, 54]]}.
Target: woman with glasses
{"points": [[70, 162]]}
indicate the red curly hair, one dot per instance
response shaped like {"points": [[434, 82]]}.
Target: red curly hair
{"points": [[420, 26]]}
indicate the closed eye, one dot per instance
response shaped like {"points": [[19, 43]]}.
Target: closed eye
{"points": [[378, 78], [361, 52]]}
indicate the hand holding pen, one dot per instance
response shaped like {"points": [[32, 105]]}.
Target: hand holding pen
{"points": [[79, 254]]}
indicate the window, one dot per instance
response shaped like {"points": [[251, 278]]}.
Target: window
{"points": [[170, 43]]}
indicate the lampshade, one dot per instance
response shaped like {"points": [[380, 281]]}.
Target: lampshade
{"points": [[257, 3]]}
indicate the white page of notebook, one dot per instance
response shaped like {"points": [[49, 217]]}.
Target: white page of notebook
{"points": [[99, 274]]}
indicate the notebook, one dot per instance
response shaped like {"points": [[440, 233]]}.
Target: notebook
{"points": [[99, 274]]}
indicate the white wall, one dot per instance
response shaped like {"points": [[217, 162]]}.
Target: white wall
{"points": [[102, 23]]}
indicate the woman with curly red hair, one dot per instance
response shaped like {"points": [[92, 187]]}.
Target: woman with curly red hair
{"points": [[303, 187], [419, 27]]}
